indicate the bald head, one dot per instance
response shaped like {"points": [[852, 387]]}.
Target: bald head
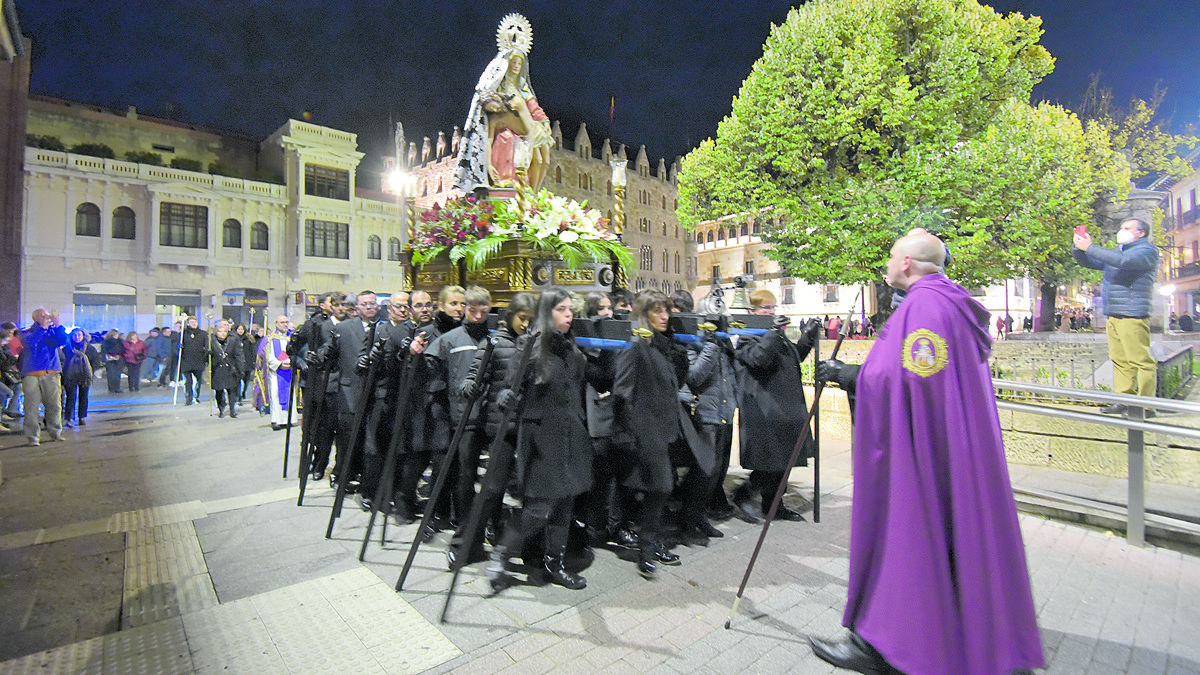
{"points": [[914, 256]]}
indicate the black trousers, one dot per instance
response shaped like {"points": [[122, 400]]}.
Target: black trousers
{"points": [[77, 395]]}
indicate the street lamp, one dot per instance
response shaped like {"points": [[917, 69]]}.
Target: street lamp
{"points": [[1166, 291]]}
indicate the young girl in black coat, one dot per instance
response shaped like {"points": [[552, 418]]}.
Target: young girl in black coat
{"points": [[554, 451]]}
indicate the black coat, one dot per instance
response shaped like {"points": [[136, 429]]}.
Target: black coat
{"points": [[195, 350], [646, 390], [770, 401], [429, 417], [227, 362], [353, 340], [495, 379], [554, 451]]}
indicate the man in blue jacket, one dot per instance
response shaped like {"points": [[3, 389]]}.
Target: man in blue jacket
{"points": [[1129, 274], [40, 373]]}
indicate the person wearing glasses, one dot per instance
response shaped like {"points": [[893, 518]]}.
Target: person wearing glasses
{"points": [[351, 339]]}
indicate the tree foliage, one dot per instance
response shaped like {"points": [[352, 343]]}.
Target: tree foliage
{"points": [[1138, 132], [864, 117]]}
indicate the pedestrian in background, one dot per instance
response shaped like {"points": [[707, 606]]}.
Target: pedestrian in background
{"points": [[40, 374], [113, 350], [134, 355], [79, 360]]}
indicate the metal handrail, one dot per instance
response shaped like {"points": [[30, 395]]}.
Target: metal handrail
{"points": [[1135, 429]]}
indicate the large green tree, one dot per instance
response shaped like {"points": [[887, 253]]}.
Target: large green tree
{"points": [[865, 117]]}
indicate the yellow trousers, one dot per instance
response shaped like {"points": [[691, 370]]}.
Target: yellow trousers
{"points": [[1134, 370]]}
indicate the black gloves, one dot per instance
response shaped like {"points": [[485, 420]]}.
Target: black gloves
{"points": [[811, 329], [781, 321], [314, 358], [508, 400], [469, 389], [372, 356], [828, 371]]}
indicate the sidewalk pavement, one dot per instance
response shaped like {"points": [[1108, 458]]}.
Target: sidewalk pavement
{"points": [[163, 539]]}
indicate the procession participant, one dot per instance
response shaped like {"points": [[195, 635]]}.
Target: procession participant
{"points": [[771, 409], [554, 452], [938, 581], [250, 342], [455, 352], [349, 341], [308, 340], [387, 356], [712, 381], [646, 388], [193, 358], [273, 374], [429, 432], [606, 507], [225, 359]]}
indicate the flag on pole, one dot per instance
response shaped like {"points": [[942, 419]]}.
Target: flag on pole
{"points": [[612, 107]]}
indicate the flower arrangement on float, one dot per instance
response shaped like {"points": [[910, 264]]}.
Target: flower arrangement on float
{"points": [[475, 229]]}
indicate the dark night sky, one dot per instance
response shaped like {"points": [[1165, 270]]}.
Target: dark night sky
{"points": [[673, 67]]}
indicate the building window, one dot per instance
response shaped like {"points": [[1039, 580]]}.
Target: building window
{"points": [[259, 236], [558, 175], [831, 292], [756, 229], [699, 237], [664, 229], [745, 229], [716, 275], [666, 267], [231, 234], [647, 259], [325, 239], [87, 220], [664, 202], [183, 225], [677, 262], [374, 248], [393, 249], [644, 224], [720, 234], [710, 236], [750, 267], [124, 225], [320, 181], [789, 295]]}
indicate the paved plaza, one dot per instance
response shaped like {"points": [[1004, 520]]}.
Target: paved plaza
{"points": [[161, 539]]}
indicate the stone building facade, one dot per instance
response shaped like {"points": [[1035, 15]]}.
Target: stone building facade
{"points": [[134, 242]]}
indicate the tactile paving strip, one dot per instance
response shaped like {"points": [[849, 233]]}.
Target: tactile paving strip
{"points": [[165, 575], [158, 515]]}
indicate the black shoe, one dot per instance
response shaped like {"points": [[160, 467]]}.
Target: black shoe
{"points": [[232, 413], [646, 567], [852, 653], [662, 555], [364, 503], [706, 528], [625, 538], [1114, 409], [784, 513], [428, 533], [721, 511], [220, 413], [558, 574], [747, 511]]}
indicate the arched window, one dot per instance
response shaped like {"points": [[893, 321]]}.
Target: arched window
{"points": [[231, 234], [720, 234], [756, 229], [123, 223], [710, 236], [259, 238], [699, 237], [647, 259], [745, 229], [393, 248], [664, 202], [558, 175], [374, 248], [87, 220], [677, 262]]}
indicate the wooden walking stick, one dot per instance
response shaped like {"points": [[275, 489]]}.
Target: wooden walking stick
{"points": [[287, 433], [818, 389], [496, 477]]}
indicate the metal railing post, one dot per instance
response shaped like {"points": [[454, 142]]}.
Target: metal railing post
{"points": [[1135, 531]]}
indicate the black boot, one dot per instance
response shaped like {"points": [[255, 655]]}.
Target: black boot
{"points": [[556, 571], [497, 577], [647, 561]]}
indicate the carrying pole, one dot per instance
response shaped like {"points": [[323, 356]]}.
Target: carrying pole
{"points": [[818, 389]]}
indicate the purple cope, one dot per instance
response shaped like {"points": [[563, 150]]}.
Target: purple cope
{"points": [[938, 579]]}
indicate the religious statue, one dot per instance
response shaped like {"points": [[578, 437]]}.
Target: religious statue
{"points": [[504, 114]]}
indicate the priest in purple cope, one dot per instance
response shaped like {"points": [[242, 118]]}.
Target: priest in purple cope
{"points": [[938, 579]]}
